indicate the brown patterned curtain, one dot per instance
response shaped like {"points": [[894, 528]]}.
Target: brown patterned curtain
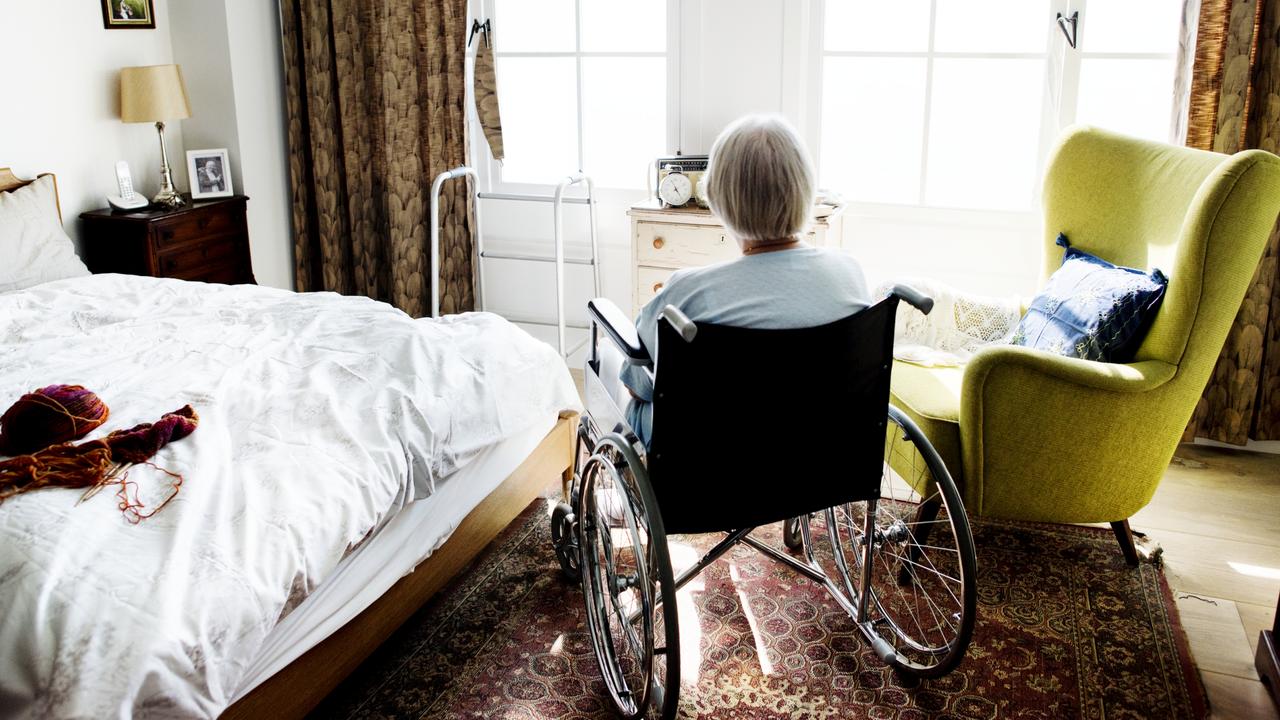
{"points": [[1234, 104], [376, 101]]}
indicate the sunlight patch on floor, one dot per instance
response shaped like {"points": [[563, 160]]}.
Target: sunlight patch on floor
{"points": [[1269, 573], [766, 667], [683, 556]]}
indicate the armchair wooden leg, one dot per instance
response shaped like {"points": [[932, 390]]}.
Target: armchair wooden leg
{"points": [[1125, 536]]}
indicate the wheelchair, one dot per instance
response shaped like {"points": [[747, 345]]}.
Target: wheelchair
{"points": [[751, 427]]}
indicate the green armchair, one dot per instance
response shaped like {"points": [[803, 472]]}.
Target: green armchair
{"points": [[1034, 436]]}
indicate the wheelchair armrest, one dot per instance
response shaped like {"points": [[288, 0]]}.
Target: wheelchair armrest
{"points": [[619, 328], [917, 299]]}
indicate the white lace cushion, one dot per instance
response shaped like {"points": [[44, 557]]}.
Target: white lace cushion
{"points": [[33, 247]]}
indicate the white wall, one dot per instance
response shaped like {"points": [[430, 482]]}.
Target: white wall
{"points": [[60, 101], [59, 111], [230, 52]]}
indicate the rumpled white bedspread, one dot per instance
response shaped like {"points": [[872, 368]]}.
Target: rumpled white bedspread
{"points": [[320, 417]]}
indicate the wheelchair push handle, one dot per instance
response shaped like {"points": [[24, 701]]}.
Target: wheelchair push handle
{"points": [[680, 322], [914, 297]]}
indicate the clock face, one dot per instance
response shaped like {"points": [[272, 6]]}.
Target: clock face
{"points": [[676, 189]]}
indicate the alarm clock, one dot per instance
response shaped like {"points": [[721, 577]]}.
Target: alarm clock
{"points": [[679, 180]]}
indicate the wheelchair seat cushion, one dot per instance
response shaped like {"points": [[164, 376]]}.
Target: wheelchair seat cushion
{"points": [[930, 396]]}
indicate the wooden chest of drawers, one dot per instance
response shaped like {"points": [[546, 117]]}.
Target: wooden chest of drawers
{"points": [[664, 240], [206, 241]]}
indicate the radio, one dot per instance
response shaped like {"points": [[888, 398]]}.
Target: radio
{"points": [[680, 180]]}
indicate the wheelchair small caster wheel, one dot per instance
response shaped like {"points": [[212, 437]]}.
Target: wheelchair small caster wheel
{"points": [[791, 534], [564, 538]]}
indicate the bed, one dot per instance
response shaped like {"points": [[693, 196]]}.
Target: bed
{"points": [[349, 461]]}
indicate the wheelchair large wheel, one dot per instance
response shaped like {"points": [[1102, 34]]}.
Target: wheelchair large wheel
{"points": [[913, 552], [627, 582]]}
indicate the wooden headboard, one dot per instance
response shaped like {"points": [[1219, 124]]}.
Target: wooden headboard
{"points": [[10, 182]]}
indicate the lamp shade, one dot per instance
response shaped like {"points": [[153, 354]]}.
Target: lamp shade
{"points": [[153, 93]]}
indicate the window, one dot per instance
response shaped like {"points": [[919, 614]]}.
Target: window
{"points": [[949, 103], [584, 86]]}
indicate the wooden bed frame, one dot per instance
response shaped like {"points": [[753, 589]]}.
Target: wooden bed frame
{"points": [[301, 685], [297, 689]]}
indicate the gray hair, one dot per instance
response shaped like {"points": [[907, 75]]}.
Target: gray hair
{"points": [[760, 181]]}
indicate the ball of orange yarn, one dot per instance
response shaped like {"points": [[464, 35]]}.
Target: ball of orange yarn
{"points": [[49, 416]]}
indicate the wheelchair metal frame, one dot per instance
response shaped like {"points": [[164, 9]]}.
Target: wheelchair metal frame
{"points": [[883, 559], [809, 567]]}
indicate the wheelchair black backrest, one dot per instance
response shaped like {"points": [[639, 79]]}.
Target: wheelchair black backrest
{"points": [[753, 426]]}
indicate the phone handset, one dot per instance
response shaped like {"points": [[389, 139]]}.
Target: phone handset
{"points": [[127, 199]]}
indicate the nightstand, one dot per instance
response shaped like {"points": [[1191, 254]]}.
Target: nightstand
{"points": [[664, 240], [205, 240]]}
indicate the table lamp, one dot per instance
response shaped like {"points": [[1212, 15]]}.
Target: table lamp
{"points": [[155, 93]]}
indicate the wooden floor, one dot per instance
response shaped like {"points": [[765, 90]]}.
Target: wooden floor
{"points": [[1217, 516]]}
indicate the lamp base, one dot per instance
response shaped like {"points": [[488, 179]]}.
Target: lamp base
{"points": [[169, 199]]}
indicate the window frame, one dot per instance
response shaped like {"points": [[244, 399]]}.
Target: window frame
{"points": [[1058, 110], [489, 170]]}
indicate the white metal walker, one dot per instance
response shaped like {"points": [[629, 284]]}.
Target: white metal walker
{"points": [[557, 201]]}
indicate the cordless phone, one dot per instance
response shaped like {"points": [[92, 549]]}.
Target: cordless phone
{"points": [[127, 199]]}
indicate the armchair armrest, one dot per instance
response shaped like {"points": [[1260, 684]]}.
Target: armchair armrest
{"points": [[1111, 377], [619, 328], [1058, 439]]}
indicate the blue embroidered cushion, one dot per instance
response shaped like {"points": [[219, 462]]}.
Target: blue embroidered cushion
{"points": [[1092, 309]]}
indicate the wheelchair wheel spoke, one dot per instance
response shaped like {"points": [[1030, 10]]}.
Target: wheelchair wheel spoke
{"points": [[921, 596]]}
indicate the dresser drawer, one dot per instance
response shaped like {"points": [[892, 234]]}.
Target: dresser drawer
{"points": [[649, 281], [186, 227], [223, 274], [683, 245], [186, 263]]}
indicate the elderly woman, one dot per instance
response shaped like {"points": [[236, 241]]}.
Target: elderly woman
{"points": [[760, 184]]}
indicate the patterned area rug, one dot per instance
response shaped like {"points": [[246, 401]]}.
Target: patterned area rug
{"points": [[1065, 630]]}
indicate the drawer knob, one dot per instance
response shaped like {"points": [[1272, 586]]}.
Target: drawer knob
{"points": [[658, 243], [657, 286]]}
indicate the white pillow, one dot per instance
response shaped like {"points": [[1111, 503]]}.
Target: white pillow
{"points": [[33, 247]]}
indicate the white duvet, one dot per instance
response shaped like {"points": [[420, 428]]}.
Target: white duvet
{"points": [[320, 417]]}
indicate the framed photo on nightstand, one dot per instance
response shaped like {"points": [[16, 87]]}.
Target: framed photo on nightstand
{"points": [[210, 173]]}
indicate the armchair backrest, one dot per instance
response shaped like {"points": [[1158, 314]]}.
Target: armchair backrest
{"points": [[1201, 217]]}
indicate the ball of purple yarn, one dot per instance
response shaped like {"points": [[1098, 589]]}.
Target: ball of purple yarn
{"points": [[49, 416]]}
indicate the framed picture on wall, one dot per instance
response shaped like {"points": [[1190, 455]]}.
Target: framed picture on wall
{"points": [[128, 14], [210, 173]]}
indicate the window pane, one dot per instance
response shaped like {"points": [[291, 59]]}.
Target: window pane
{"points": [[624, 25], [900, 25], [539, 118], [1134, 26], [872, 127], [984, 133], [1134, 97], [525, 26], [624, 118], [989, 26]]}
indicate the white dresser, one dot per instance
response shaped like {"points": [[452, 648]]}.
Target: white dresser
{"points": [[664, 240]]}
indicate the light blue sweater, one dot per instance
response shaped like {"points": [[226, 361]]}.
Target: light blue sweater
{"points": [[795, 288]]}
